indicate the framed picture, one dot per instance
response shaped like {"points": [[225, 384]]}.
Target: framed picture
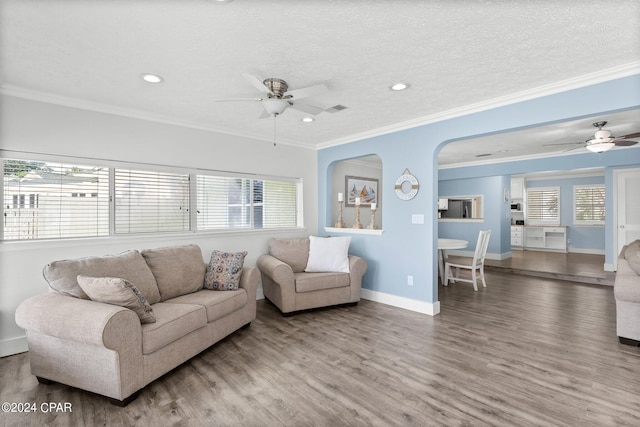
{"points": [[365, 188]]}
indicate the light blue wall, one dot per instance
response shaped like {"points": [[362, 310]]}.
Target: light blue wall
{"points": [[410, 249], [496, 212], [578, 237]]}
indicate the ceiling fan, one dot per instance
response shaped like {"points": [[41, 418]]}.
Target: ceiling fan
{"points": [[602, 140], [276, 96]]}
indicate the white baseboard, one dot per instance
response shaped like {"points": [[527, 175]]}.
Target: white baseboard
{"points": [[609, 267], [586, 251], [13, 346], [408, 304]]}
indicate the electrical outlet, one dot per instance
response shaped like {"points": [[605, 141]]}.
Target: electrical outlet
{"points": [[410, 280]]}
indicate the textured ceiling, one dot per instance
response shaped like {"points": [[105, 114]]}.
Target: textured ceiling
{"points": [[453, 53]]}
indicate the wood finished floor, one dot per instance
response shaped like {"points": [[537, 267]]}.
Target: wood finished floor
{"points": [[523, 351], [575, 267]]}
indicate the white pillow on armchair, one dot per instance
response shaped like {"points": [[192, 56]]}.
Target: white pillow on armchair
{"points": [[328, 254]]}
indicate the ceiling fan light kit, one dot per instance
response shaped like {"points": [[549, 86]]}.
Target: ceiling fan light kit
{"points": [[600, 147], [275, 106]]}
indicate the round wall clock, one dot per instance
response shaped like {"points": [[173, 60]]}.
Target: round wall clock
{"points": [[406, 186]]}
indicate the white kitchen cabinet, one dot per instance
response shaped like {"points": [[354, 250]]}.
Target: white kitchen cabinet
{"points": [[517, 189], [516, 236], [552, 239]]}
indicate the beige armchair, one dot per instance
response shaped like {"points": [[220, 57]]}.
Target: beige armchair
{"points": [[291, 289]]}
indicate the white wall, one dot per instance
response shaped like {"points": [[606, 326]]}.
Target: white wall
{"points": [[31, 126]]}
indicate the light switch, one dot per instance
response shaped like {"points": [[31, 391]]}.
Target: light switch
{"points": [[417, 219]]}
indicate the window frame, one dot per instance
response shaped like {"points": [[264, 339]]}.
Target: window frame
{"points": [[192, 173], [579, 222], [528, 205]]}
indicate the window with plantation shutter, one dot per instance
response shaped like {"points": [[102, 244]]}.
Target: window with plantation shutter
{"points": [[150, 202], [543, 206], [48, 200], [237, 203], [588, 205]]}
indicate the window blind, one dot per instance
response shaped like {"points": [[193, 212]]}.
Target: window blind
{"points": [[232, 203], [543, 205], [45, 200], [589, 204], [147, 202]]}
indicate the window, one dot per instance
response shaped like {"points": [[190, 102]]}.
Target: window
{"points": [[39, 203], [150, 202], [51, 200], [236, 203], [543, 206], [588, 205]]}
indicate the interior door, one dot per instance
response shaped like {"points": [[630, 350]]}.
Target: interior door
{"points": [[628, 208]]}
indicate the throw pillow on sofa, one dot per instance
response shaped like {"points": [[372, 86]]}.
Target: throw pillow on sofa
{"points": [[224, 270], [328, 254], [116, 291], [179, 270]]}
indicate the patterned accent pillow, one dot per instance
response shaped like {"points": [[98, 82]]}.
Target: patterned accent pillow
{"points": [[224, 270], [116, 291]]}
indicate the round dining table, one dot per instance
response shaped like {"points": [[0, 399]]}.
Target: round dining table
{"points": [[443, 246]]}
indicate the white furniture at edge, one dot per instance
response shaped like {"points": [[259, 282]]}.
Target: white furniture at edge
{"points": [[553, 239], [517, 240], [444, 245], [475, 265]]}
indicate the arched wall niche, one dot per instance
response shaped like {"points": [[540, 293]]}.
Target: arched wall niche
{"points": [[367, 167]]}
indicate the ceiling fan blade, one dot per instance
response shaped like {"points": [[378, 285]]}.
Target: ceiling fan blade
{"points": [[255, 82], [625, 143], [630, 136], [311, 109], [237, 99], [306, 92], [264, 115], [563, 143]]}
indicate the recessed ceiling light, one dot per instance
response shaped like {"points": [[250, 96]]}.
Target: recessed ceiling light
{"points": [[399, 86], [224, 1], [151, 78], [308, 120]]}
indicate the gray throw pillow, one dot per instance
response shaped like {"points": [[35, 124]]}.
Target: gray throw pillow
{"points": [[116, 291]]}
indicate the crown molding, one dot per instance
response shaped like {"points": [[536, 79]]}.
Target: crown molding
{"points": [[82, 104], [602, 76]]}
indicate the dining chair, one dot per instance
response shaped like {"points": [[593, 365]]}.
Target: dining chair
{"points": [[476, 265]]}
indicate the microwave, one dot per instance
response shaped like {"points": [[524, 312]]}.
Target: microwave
{"points": [[516, 206]]}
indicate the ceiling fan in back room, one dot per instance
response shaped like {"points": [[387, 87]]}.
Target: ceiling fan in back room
{"points": [[603, 140]]}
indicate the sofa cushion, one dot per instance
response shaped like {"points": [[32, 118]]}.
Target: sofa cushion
{"points": [[62, 275], [307, 282], [173, 321], [224, 270], [328, 254], [178, 270], [632, 255], [293, 252], [217, 304], [116, 291]]}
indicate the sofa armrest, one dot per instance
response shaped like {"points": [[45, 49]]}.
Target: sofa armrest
{"points": [[627, 283], [80, 320], [278, 271], [357, 268], [249, 280]]}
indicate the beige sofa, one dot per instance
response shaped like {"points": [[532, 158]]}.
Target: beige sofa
{"points": [[286, 284], [104, 348], [627, 294]]}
